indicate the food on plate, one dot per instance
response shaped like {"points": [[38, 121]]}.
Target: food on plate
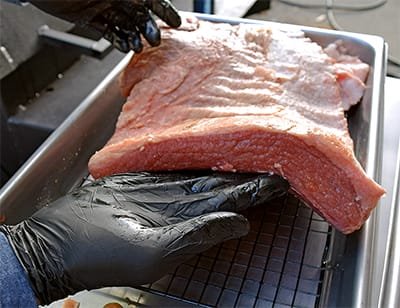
{"points": [[70, 303], [246, 98], [113, 305]]}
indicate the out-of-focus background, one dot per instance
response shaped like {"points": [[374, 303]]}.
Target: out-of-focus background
{"points": [[45, 74]]}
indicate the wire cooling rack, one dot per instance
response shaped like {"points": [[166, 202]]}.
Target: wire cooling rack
{"points": [[280, 263]]}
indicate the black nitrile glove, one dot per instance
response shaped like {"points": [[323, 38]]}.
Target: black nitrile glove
{"points": [[131, 229], [120, 21]]}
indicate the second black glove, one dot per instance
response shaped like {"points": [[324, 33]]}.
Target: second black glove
{"points": [[131, 229], [120, 21]]}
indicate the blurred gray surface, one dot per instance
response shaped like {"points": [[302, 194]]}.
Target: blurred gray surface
{"points": [[383, 21], [40, 84], [390, 148], [18, 38]]}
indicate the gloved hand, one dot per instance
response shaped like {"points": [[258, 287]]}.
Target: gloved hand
{"points": [[120, 21], [131, 229]]}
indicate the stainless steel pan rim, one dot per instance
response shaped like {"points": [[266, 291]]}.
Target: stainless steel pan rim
{"points": [[59, 163]]}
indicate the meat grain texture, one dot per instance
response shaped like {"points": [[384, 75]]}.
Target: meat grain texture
{"points": [[246, 98]]}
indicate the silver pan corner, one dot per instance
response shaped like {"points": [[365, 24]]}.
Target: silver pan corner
{"points": [[61, 162]]}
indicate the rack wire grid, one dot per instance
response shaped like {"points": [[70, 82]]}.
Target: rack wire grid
{"points": [[280, 263]]}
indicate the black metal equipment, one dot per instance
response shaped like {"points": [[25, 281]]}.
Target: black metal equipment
{"points": [[48, 67]]}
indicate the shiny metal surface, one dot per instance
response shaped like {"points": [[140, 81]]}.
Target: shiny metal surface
{"points": [[60, 163], [390, 143], [390, 291], [98, 49], [366, 129], [368, 240]]}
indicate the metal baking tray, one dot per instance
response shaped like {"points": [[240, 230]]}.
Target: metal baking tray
{"points": [[291, 257]]}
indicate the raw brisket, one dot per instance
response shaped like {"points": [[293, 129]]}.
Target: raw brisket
{"points": [[246, 98]]}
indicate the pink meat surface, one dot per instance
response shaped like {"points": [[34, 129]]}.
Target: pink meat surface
{"points": [[350, 73], [243, 98]]}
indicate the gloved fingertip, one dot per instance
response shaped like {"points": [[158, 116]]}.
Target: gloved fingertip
{"points": [[235, 225], [138, 48], [272, 186], [174, 20], [135, 42], [274, 179], [222, 226], [151, 32], [198, 234], [166, 11], [122, 45]]}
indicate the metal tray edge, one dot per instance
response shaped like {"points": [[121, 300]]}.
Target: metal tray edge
{"points": [[367, 235], [37, 159], [372, 168]]}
